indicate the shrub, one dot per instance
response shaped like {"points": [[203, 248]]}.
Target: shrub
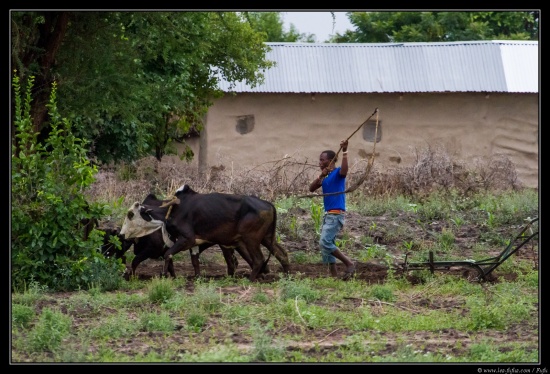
{"points": [[50, 216]]}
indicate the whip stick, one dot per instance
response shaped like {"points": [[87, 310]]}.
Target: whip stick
{"points": [[353, 133], [369, 164]]}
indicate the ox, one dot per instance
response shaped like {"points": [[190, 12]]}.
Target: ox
{"points": [[154, 245], [215, 218]]}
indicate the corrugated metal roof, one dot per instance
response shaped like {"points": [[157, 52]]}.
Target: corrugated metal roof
{"points": [[476, 66]]}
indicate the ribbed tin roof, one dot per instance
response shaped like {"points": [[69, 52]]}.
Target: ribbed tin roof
{"points": [[476, 66]]}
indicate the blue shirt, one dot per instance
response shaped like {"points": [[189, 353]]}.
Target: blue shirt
{"points": [[334, 182]]}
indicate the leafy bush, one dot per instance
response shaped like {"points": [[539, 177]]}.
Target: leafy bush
{"points": [[51, 242]]}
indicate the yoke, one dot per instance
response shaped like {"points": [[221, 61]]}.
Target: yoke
{"points": [[483, 267]]}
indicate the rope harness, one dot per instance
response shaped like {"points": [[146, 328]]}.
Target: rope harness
{"points": [[369, 163]]}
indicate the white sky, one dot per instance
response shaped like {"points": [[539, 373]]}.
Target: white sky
{"points": [[318, 23]]}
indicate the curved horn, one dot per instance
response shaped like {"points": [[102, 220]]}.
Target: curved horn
{"points": [[174, 201]]}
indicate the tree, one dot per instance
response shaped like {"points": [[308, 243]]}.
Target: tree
{"points": [[271, 24], [131, 82], [394, 27]]}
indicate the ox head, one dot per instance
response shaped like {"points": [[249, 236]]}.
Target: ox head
{"points": [[139, 222]]}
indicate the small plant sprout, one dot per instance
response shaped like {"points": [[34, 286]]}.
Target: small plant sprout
{"points": [[408, 245], [458, 221]]}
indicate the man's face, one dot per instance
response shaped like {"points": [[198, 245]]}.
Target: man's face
{"points": [[324, 161]]}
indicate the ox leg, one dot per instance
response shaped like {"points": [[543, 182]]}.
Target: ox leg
{"points": [[232, 262], [195, 252], [135, 262], [244, 254], [179, 245], [279, 252], [257, 259], [171, 268]]}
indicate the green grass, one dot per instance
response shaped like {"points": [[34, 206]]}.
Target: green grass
{"points": [[312, 320]]}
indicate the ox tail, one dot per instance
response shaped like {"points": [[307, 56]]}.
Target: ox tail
{"points": [[264, 265], [273, 236], [274, 224]]}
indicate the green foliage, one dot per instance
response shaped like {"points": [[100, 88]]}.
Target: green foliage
{"points": [[271, 23], [303, 257], [160, 290], [206, 297], [48, 206], [21, 315], [261, 297], [114, 326], [49, 331], [446, 240], [488, 351], [224, 353], [383, 293], [395, 27], [316, 211], [151, 321], [486, 316], [29, 293], [134, 82], [105, 275], [317, 319], [265, 349], [196, 320], [297, 288], [371, 252]]}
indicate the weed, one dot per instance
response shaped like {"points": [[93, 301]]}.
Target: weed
{"points": [[21, 315], [160, 290], [316, 211], [50, 330]]}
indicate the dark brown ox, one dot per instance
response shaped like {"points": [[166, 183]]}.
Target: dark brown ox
{"points": [[153, 246], [246, 222]]}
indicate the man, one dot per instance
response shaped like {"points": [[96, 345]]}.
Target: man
{"points": [[333, 180]]}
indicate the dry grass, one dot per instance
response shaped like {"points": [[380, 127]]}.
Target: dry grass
{"points": [[434, 169]]}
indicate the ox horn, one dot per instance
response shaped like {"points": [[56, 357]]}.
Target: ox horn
{"points": [[174, 200]]}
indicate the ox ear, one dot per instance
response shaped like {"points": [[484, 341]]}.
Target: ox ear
{"points": [[184, 189], [130, 215]]}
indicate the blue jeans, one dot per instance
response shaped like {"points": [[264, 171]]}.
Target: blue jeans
{"points": [[332, 224]]}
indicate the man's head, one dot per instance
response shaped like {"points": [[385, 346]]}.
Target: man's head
{"points": [[326, 157]]}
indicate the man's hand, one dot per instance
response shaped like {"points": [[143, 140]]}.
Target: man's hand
{"points": [[344, 145]]}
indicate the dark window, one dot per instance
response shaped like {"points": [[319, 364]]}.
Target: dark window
{"points": [[369, 131], [245, 124]]}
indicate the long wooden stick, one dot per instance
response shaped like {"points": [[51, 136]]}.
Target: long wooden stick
{"points": [[353, 133], [369, 163]]}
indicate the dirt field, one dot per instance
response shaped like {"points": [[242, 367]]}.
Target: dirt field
{"points": [[373, 272]]}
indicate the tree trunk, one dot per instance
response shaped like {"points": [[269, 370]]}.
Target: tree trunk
{"points": [[51, 35]]}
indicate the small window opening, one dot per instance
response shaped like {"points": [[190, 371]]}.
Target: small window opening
{"points": [[370, 131], [245, 124]]}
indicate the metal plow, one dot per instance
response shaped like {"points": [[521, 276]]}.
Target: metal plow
{"points": [[482, 267]]}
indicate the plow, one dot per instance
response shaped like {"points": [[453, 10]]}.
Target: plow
{"points": [[481, 268]]}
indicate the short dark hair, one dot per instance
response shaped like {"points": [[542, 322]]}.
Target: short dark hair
{"points": [[330, 153]]}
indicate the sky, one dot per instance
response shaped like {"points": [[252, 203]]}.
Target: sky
{"points": [[318, 23]]}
